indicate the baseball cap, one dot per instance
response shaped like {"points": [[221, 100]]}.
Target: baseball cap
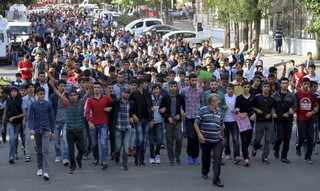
{"points": [[125, 89]]}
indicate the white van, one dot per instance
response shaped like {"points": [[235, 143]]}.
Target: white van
{"points": [[4, 41], [17, 12], [20, 30], [141, 24]]}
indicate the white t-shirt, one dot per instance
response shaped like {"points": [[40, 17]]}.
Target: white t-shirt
{"points": [[230, 102], [315, 78]]}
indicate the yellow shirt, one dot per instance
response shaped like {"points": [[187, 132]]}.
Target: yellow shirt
{"points": [[237, 88]]}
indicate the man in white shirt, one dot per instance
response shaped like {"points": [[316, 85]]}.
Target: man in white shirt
{"points": [[312, 73], [231, 126]]}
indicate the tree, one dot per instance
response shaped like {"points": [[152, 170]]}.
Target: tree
{"points": [[314, 7]]}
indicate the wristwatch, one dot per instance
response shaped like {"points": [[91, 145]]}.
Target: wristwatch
{"points": [[312, 112]]}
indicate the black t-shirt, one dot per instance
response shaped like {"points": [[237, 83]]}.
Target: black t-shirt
{"points": [[245, 104], [265, 104], [255, 92], [282, 96]]}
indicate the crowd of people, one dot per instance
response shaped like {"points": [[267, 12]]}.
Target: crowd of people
{"points": [[87, 83]]}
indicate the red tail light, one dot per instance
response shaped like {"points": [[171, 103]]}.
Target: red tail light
{"points": [[7, 49]]}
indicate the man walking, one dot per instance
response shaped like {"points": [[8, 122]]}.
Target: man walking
{"points": [[194, 99], [286, 106], [211, 137]]}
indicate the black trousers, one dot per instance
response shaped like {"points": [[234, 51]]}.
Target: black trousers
{"points": [[216, 149], [284, 130], [193, 141], [75, 138], [246, 137]]}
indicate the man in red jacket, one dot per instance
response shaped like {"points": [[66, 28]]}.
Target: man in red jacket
{"points": [[26, 68]]}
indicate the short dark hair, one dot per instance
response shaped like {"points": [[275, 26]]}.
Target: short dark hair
{"points": [[18, 74], [73, 91], [29, 84], [312, 66], [265, 83], [132, 81], [230, 85], [284, 79], [305, 80], [156, 86], [171, 83], [62, 74], [192, 75], [271, 75], [140, 81], [40, 89], [97, 83], [40, 73], [245, 83], [23, 87], [272, 69], [61, 82], [239, 73], [312, 83]]}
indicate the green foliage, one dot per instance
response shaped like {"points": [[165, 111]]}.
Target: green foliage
{"points": [[126, 19], [314, 7]]}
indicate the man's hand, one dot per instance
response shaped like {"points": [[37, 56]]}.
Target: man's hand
{"points": [[11, 119], [152, 109], [285, 115], [177, 117], [268, 116], [182, 113], [91, 125], [51, 136], [234, 111], [131, 120], [3, 129], [274, 116], [51, 83], [135, 119], [252, 117], [309, 114], [162, 110], [201, 138], [260, 49], [170, 120], [23, 126], [151, 124], [291, 112], [107, 109], [259, 111], [32, 132], [225, 107]]}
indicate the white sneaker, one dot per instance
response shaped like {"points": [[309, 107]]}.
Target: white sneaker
{"points": [[152, 161], [58, 159], [39, 172], [158, 159], [66, 162], [46, 176]]}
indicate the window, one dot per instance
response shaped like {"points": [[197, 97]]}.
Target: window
{"points": [[1, 36], [138, 25], [19, 30], [189, 35], [150, 23]]}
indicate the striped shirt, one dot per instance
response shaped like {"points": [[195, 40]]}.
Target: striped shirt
{"points": [[210, 123], [194, 100], [123, 122], [278, 34]]}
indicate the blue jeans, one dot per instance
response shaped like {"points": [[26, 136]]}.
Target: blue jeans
{"points": [[278, 45], [142, 131], [155, 136], [15, 55], [122, 139], [231, 127], [60, 128], [13, 131], [101, 130], [133, 138]]}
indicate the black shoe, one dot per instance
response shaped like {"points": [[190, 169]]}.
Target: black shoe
{"points": [[285, 160], [276, 154], [72, 171], [178, 160], [95, 162], [142, 164], [218, 183], [162, 146], [204, 176], [11, 160], [104, 165], [112, 156], [125, 167], [318, 142], [116, 159], [298, 152], [79, 164], [136, 162]]}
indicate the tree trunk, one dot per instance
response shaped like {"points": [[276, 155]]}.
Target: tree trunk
{"points": [[236, 35], [166, 4], [226, 43], [250, 34], [256, 33], [158, 8], [245, 31], [318, 45]]}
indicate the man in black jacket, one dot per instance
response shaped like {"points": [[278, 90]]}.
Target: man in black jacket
{"points": [[44, 84], [286, 106], [173, 103], [124, 110], [143, 120]]}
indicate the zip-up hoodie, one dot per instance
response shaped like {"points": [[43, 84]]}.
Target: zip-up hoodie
{"points": [[284, 105]]}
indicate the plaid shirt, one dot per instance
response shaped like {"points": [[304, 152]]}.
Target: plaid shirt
{"points": [[123, 122], [194, 100]]}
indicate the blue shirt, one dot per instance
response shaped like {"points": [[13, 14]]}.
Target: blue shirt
{"points": [[117, 89], [41, 116]]}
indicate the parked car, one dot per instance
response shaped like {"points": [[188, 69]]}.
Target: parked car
{"points": [[191, 36], [160, 29], [141, 24]]}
